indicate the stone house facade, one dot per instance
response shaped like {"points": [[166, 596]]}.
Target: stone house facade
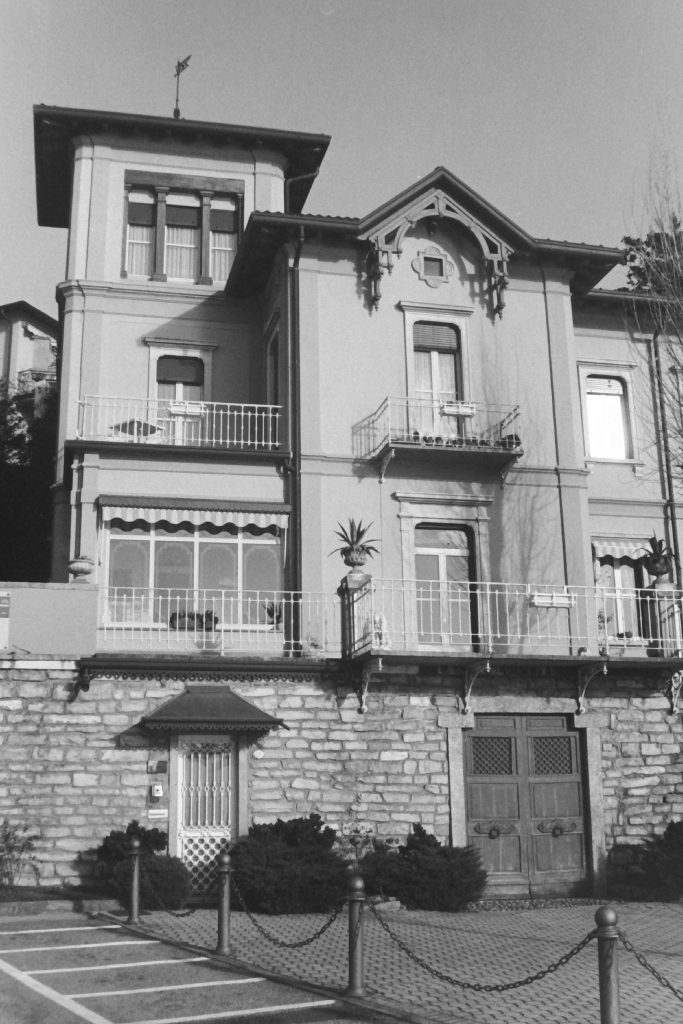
{"points": [[239, 377]]}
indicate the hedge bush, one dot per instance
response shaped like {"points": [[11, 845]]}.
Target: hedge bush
{"points": [[662, 861], [288, 867], [424, 875], [165, 882]]}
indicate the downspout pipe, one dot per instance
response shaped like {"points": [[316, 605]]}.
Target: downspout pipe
{"points": [[670, 499], [295, 415], [558, 475], [297, 177]]}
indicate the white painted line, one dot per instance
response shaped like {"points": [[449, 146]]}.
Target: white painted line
{"points": [[111, 967], [162, 988], [66, 1002], [83, 945], [55, 931], [228, 1014]]}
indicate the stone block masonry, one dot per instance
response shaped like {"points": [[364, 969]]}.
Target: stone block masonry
{"points": [[79, 768]]}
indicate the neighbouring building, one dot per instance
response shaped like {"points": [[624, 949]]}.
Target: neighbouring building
{"points": [[237, 378], [28, 354]]}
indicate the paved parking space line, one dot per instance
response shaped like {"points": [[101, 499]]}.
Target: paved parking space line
{"points": [[228, 1014], [66, 1002], [71, 928], [109, 967], [162, 988], [82, 945]]}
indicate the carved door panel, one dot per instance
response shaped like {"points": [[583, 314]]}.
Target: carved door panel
{"points": [[525, 803]]}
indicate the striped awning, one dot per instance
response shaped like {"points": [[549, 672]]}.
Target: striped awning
{"points": [[620, 547], [221, 516]]}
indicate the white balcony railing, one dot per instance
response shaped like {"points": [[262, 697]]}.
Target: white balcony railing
{"points": [[185, 423], [225, 622], [447, 424], [507, 618]]}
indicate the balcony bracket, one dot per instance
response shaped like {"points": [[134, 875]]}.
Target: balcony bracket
{"points": [[586, 677], [82, 684], [672, 688], [472, 673], [363, 685], [384, 464]]}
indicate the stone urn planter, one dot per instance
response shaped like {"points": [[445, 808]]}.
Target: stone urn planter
{"points": [[80, 568]]}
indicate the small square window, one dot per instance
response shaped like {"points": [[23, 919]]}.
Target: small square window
{"points": [[433, 266]]}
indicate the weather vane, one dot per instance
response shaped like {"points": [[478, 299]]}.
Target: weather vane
{"points": [[179, 68]]}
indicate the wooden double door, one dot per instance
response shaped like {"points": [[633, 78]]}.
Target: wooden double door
{"points": [[525, 803]]}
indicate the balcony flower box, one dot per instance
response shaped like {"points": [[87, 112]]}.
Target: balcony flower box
{"points": [[540, 599]]}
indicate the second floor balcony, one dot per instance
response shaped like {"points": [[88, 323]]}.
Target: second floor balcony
{"points": [[448, 618], [194, 424], [447, 426], [263, 623]]}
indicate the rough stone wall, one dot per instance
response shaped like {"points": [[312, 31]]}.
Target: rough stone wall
{"points": [[79, 768], [386, 768], [61, 764]]}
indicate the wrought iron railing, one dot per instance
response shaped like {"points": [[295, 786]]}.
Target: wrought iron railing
{"points": [[185, 423], [508, 618], [441, 424], [225, 622]]}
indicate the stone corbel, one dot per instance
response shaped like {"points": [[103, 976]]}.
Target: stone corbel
{"points": [[672, 690], [82, 684], [472, 673], [363, 685], [586, 677]]}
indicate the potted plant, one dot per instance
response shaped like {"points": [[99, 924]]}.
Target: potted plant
{"points": [[356, 547], [658, 558]]}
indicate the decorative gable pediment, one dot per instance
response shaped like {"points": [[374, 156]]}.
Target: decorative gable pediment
{"points": [[386, 235]]}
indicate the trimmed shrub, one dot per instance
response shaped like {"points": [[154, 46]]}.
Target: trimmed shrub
{"points": [[288, 867], [297, 832], [662, 861], [165, 882], [424, 875], [115, 846]]}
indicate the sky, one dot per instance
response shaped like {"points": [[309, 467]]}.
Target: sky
{"points": [[558, 112]]}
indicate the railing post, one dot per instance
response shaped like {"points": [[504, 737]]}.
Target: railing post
{"points": [[356, 899], [223, 945], [606, 920], [134, 896]]}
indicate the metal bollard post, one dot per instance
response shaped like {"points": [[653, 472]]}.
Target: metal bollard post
{"points": [[134, 897], [223, 946], [606, 920], [356, 899]]}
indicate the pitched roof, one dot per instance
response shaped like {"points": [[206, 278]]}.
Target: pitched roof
{"points": [[55, 127]]}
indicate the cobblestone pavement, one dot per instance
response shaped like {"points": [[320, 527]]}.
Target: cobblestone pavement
{"points": [[489, 947]]}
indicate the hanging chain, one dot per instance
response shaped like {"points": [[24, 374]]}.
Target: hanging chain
{"points": [[280, 942], [478, 986], [158, 900], [648, 966]]}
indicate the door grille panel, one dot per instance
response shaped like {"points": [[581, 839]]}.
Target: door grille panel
{"points": [[552, 755], [492, 755]]}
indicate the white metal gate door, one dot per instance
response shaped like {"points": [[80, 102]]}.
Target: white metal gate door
{"points": [[205, 808]]}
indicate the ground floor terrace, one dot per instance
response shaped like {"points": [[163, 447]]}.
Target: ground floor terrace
{"points": [[543, 764]]}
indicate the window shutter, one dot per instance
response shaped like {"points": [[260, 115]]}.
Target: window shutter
{"points": [[439, 337], [180, 370], [141, 213], [604, 386], [182, 216], [223, 220]]}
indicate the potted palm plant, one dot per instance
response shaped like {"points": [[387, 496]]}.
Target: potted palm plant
{"points": [[356, 546], [657, 559]]}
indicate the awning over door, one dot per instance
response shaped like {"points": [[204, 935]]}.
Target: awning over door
{"points": [[620, 548], [210, 709]]}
